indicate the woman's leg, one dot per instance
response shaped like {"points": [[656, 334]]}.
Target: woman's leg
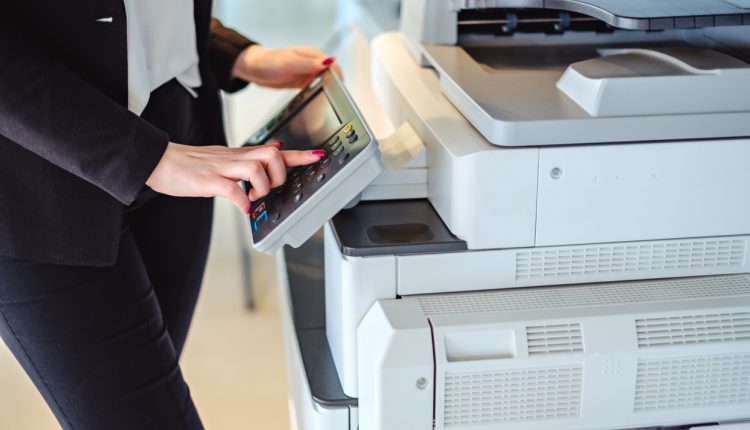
{"points": [[94, 342], [172, 235]]}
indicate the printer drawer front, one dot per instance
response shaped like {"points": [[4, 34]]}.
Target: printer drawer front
{"points": [[616, 193], [590, 356]]}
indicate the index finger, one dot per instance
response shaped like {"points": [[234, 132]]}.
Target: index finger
{"points": [[301, 158]]}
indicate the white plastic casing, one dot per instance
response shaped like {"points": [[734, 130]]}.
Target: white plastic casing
{"points": [[396, 369], [657, 81], [613, 193], [494, 197], [471, 183], [304, 412], [596, 356], [353, 284]]}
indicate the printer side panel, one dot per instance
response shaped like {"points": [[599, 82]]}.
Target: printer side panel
{"points": [[353, 284]]}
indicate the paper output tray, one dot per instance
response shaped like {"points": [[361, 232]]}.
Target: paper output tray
{"points": [[639, 14]]}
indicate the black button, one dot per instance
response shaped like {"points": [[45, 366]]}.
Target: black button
{"points": [[320, 178], [350, 133], [343, 158], [310, 172], [297, 197], [296, 186], [279, 190], [335, 145], [338, 151], [274, 216], [336, 138], [325, 161], [353, 138]]}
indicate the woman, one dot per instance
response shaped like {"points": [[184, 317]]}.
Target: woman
{"points": [[110, 140]]}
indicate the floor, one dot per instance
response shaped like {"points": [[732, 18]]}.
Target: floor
{"points": [[234, 358]]}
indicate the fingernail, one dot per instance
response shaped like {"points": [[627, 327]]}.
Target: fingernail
{"points": [[280, 142], [328, 61], [319, 153]]}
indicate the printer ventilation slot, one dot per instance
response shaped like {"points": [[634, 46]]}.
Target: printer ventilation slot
{"points": [[690, 329], [640, 257], [586, 295], [553, 339], [475, 398], [692, 382]]}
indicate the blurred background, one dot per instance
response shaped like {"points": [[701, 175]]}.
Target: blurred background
{"points": [[234, 358]]}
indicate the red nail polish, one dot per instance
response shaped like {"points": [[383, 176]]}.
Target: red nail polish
{"points": [[319, 153], [328, 61]]}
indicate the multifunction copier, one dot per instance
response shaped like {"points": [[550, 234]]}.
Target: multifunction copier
{"points": [[561, 235]]}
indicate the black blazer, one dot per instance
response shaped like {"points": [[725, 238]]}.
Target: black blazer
{"points": [[71, 155]]}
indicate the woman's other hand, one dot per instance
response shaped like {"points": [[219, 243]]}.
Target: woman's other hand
{"points": [[208, 171], [282, 68]]}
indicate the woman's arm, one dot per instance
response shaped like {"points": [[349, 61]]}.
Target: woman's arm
{"points": [[224, 46], [293, 67], [51, 111], [236, 60]]}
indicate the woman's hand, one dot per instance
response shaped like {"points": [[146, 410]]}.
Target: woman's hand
{"points": [[208, 171], [282, 68]]}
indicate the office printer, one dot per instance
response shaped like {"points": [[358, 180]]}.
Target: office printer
{"points": [[570, 249]]}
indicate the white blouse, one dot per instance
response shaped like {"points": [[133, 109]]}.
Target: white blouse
{"points": [[161, 46]]}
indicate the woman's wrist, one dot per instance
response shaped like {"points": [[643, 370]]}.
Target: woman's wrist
{"points": [[247, 64]]}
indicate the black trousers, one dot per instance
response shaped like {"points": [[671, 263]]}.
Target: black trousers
{"points": [[102, 345]]}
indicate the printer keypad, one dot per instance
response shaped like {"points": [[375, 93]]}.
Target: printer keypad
{"points": [[303, 181]]}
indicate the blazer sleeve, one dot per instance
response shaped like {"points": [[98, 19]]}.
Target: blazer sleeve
{"points": [[52, 112], [224, 46]]}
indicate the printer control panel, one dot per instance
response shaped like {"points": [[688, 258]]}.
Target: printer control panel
{"points": [[304, 181], [322, 116]]}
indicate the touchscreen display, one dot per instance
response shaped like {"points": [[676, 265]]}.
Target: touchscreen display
{"points": [[316, 122]]}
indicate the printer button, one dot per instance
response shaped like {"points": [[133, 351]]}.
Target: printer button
{"points": [[335, 145], [343, 158]]}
